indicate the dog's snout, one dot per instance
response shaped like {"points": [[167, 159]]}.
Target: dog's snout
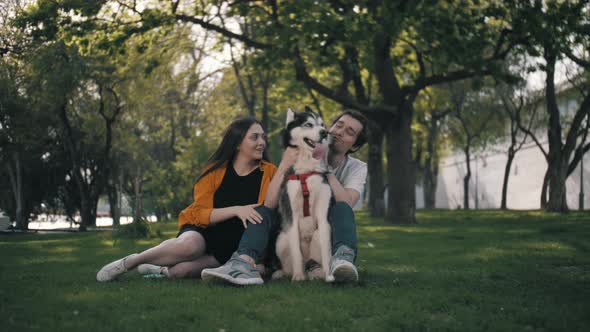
{"points": [[323, 134]]}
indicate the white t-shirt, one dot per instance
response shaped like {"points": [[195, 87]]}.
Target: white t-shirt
{"points": [[352, 173]]}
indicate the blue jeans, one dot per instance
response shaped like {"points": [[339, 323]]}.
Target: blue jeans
{"points": [[257, 238]]}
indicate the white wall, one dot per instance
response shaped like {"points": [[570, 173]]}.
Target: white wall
{"points": [[525, 182]]}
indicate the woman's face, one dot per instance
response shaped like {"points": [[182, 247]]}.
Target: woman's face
{"points": [[254, 143]]}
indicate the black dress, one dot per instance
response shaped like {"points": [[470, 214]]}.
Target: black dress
{"points": [[223, 238]]}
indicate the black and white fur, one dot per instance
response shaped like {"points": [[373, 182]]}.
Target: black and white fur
{"points": [[302, 239]]}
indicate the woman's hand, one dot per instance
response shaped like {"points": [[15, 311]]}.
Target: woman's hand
{"points": [[246, 213]]}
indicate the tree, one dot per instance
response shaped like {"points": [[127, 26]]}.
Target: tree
{"points": [[554, 31], [432, 110], [30, 159], [71, 86], [473, 115], [392, 41], [336, 48], [520, 109]]}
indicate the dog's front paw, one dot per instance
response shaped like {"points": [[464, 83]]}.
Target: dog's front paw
{"points": [[298, 277], [279, 274], [315, 274]]}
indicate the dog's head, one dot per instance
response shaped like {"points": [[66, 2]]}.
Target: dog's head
{"points": [[306, 131]]}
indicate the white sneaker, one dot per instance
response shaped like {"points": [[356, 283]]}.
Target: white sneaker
{"points": [[149, 269], [342, 266], [112, 270]]}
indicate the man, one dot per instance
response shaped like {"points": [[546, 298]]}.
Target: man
{"points": [[347, 179]]}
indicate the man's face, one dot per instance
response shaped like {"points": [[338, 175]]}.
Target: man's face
{"points": [[344, 132]]}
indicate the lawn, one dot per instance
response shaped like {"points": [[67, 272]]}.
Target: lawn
{"points": [[458, 271]]}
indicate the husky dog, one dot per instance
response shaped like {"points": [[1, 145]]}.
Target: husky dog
{"points": [[305, 200]]}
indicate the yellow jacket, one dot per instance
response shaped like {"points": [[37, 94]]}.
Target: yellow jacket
{"points": [[199, 211]]}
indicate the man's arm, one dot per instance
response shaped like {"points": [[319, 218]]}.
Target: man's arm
{"points": [[341, 194], [271, 199]]}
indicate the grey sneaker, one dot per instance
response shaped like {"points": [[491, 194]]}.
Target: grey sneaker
{"points": [[236, 271], [342, 266], [112, 270]]}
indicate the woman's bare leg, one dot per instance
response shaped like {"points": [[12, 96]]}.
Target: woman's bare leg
{"points": [[188, 246], [191, 269]]}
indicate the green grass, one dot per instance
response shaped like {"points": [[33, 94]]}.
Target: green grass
{"points": [[468, 271]]}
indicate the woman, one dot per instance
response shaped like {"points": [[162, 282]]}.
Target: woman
{"points": [[233, 183]]}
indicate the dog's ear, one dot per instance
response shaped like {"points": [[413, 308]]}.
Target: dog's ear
{"points": [[290, 116]]}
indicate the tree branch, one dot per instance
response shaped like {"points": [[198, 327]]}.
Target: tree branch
{"points": [[577, 157], [444, 78], [572, 134], [347, 101], [579, 61], [224, 32], [528, 132], [419, 58]]}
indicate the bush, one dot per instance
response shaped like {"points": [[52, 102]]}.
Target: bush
{"points": [[136, 230]]}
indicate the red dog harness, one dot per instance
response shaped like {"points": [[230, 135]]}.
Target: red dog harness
{"points": [[302, 178]]}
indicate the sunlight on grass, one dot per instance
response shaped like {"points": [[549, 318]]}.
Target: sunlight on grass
{"points": [[62, 250], [406, 229], [521, 231], [41, 241], [554, 246], [400, 268], [45, 260], [107, 243], [86, 297], [149, 242], [490, 253]]}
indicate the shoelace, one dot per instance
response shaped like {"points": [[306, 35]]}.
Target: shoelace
{"points": [[345, 253], [241, 262]]}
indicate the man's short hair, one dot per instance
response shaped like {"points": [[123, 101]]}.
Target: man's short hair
{"points": [[361, 138]]}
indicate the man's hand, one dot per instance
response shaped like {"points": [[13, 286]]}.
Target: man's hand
{"points": [[325, 164]]}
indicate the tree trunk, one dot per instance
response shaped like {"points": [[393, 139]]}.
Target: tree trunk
{"points": [[375, 169], [265, 117], [86, 216], [87, 211], [113, 203], [401, 207], [466, 178], [17, 190], [511, 154], [543, 202], [557, 168], [429, 181], [430, 171], [137, 191], [557, 189]]}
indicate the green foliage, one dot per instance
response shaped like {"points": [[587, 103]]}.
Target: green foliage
{"points": [[152, 55], [34, 153]]}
